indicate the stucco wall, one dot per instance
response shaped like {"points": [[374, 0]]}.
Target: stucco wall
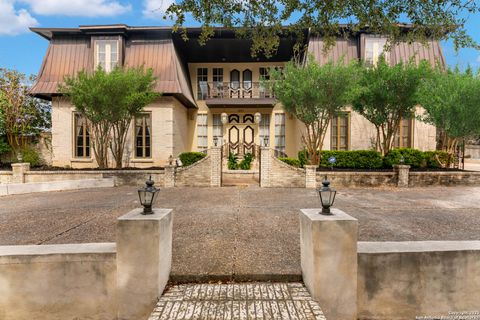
{"points": [[58, 282], [401, 280]]}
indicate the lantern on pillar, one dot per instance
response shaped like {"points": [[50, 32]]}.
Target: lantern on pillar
{"points": [[258, 117], [224, 118], [147, 196]]}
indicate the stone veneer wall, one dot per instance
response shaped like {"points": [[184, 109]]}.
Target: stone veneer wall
{"points": [[58, 282], [401, 280], [357, 179], [446, 178], [5, 176], [195, 175], [284, 175]]}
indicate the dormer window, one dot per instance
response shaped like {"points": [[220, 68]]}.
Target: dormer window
{"points": [[374, 48], [106, 54]]}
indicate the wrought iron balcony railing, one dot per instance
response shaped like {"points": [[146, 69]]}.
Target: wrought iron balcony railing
{"points": [[232, 90]]}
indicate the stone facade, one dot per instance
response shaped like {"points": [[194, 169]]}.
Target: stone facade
{"points": [[284, 175], [195, 175]]}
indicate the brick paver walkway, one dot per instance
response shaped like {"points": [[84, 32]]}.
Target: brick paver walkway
{"points": [[237, 301]]}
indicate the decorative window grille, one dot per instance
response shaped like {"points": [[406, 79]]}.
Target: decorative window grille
{"points": [[202, 83], [264, 127], [340, 132], [374, 48], [202, 132], [143, 136], [106, 54], [403, 137], [280, 132], [218, 128], [82, 136]]}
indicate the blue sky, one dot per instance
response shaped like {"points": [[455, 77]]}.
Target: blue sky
{"points": [[23, 50]]}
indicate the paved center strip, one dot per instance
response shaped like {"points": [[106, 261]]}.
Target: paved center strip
{"points": [[237, 301]]}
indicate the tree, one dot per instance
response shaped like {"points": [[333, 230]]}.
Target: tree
{"points": [[451, 100], [262, 21], [109, 101], [385, 94], [22, 116], [313, 94]]}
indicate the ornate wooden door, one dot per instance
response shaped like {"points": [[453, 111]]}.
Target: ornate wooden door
{"points": [[241, 139]]}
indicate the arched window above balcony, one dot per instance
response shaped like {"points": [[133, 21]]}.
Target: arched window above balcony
{"points": [[247, 79], [235, 79]]}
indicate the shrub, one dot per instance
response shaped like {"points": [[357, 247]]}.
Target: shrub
{"points": [[355, 159], [189, 158], [4, 147], [31, 156], [412, 157], [232, 162], [246, 163], [437, 159], [291, 161]]}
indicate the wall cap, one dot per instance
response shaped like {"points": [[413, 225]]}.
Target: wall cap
{"points": [[49, 249], [416, 246], [314, 215]]}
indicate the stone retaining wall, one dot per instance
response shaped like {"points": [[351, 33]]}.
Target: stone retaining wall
{"points": [[284, 175], [446, 178], [349, 179], [401, 280], [58, 282], [195, 175]]}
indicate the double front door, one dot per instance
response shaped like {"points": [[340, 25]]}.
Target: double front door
{"points": [[241, 139]]}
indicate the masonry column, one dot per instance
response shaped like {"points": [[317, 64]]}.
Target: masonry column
{"points": [[265, 167], [403, 172], [18, 172], [310, 176], [144, 259], [215, 154], [328, 249], [169, 181]]}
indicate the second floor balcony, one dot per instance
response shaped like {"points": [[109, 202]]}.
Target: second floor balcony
{"points": [[235, 92]]}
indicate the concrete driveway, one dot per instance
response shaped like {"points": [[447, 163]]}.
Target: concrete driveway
{"points": [[240, 233]]}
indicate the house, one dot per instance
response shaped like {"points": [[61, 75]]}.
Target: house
{"points": [[211, 94]]}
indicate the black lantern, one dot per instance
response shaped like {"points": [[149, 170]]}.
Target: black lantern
{"points": [[147, 196], [327, 196], [265, 141], [215, 141]]}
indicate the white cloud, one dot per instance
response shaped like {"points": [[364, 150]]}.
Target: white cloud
{"points": [[155, 9], [14, 21], [78, 8]]}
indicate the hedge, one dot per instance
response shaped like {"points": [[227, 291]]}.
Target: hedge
{"points": [[291, 161], [412, 157], [355, 159], [189, 158]]}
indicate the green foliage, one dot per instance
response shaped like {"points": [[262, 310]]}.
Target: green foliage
{"points": [[109, 101], [246, 163], [291, 161], [385, 94], [4, 146], [412, 157], [437, 159], [355, 159], [314, 94], [189, 158], [31, 156], [232, 162], [263, 21]]}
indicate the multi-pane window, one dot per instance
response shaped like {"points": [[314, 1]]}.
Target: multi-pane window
{"points": [[143, 136], [280, 132], [403, 136], [202, 132], [340, 132], [82, 136], [217, 89], [202, 83], [264, 127], [374, 48], [235, 79], [218, 128], [264, 76], [106, 54], [247, 79]]}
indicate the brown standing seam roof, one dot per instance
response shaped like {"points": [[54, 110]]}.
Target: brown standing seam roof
{"points": [[343, 48], [68, 56]]}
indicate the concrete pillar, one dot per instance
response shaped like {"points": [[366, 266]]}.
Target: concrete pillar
{"points": [[169, 180], [144, 259], [265, 167], [328, 246], [402, 174], [18, 172], [215, 154], [310, 176]]}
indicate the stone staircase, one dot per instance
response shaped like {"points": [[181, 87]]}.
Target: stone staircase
{"points": [[243, 178]]}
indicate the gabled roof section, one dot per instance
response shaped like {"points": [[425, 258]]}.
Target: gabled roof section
{"points": [[70, 51]]}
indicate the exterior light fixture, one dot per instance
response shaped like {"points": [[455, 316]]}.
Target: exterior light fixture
{"points": [[265, 141], [147, 196], [215, 141], [327, 196], [258, 117], [224, 118], [402, 160], [170, 160]]}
